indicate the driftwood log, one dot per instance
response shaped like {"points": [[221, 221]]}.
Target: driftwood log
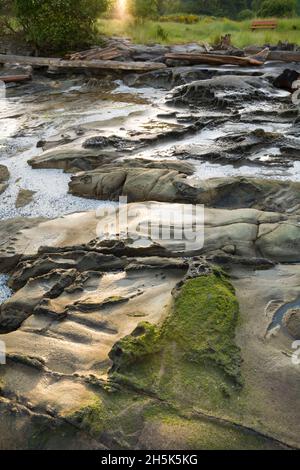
{"points": [[282, 56], [97, 53], [81, 64], [14, 78], [216, 59]]}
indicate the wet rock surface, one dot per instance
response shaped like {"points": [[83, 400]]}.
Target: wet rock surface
{"points": [[223, 91], [292, 322], [110, 332], [170, 183], [247, 147], [4, 177]]}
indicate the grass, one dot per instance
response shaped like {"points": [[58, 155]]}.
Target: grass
{"points": [[207, 30]]}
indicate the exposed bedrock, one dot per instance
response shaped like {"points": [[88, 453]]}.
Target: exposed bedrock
{"points": [[114, 355], [256, 147], [102, 333], [243, 232], [73, 158], [165, 184], [222, 91], [170, 77], [96, 150], [80, 240]]}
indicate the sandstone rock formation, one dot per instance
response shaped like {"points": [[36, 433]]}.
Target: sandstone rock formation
{"points": [[167, 183], [102, 334]]}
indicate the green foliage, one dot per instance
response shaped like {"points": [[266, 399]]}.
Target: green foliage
{"points": [[181, 18], [6, 7], [278, 8], [167, 7], [6, 16], [59, 24], [245, 15], [206, 30], [143, 8], [161, 33], [229, 8]]}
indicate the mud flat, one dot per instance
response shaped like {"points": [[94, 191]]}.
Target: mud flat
{"points": [[133, 340]]}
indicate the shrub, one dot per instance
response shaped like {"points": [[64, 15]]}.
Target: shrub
{"points": [[6, 16], [161, 33], [181, 18], [59, 24], [245, 15], [143, 8], [279, 8]]}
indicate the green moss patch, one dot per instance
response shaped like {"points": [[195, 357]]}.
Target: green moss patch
{"points": [[192, 356], [92, 417]]}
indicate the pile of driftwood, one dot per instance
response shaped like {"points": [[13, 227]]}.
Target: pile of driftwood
{"points": [[136, 58], [97, 53], [39, 62], [220, 59]]}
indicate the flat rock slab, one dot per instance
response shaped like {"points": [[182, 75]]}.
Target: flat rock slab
{"points": [[253, 233]]}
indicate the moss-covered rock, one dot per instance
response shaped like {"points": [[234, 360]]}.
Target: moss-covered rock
{"points": [[91, 417], [192, 356], [144, 340], [203, 322]]}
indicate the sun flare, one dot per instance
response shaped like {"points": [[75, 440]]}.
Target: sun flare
{"points": [[121, 8]]}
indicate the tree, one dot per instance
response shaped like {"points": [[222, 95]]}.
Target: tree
{"points": [[231, 8], [213, 7], [144, 8], [166, 7], [6, 14], [278, 8], [245, 15], [59, 24]]}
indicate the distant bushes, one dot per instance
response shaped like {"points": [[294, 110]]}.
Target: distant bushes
{"points": [[245, 15], [6, 16], [278, 8], [181, 18], [143, 8]]}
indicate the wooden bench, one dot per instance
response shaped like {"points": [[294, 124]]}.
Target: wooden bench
{"points": [[264, 24]]}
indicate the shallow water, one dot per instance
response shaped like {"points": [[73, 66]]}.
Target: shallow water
{"points": [[280, 313], [5, 291], [20, 134]]}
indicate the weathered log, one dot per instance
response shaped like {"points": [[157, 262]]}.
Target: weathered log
{"points": [[14, 78], [282, 56], [81, 64], [215, 59], [98, 53]]}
